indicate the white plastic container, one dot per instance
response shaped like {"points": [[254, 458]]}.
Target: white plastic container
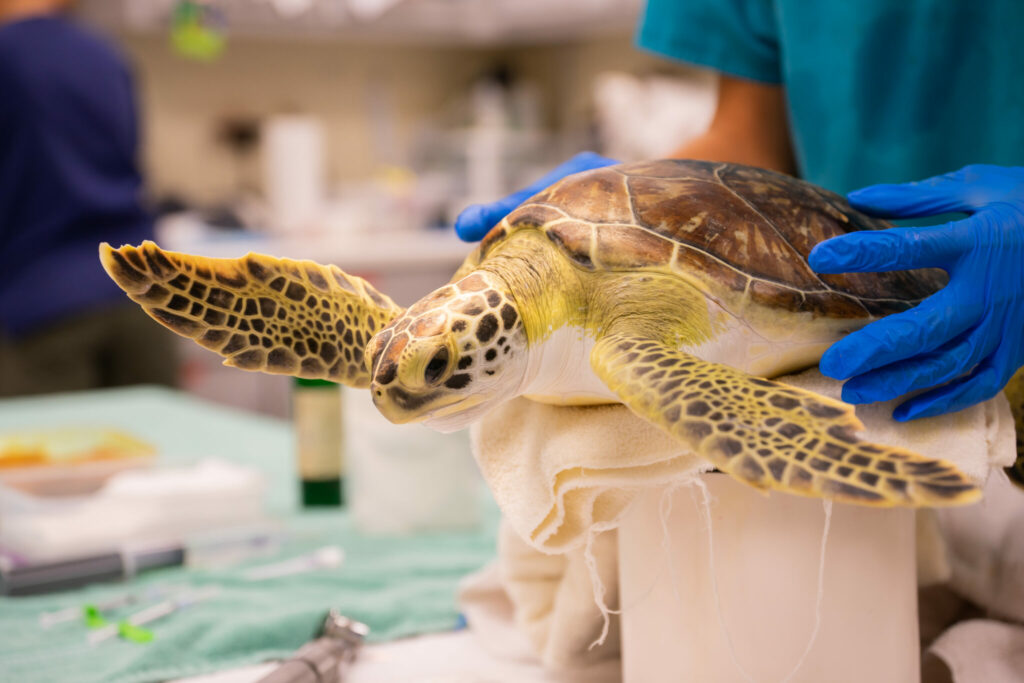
{"points": [[766, 558], [406, 478], [133, 508]]}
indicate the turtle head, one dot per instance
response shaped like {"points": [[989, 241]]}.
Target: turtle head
{"points": [[451, 357]]}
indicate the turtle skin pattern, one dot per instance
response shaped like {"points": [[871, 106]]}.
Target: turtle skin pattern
{"points": [[273, 315], [770, 435]]}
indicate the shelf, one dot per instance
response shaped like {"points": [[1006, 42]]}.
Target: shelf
{"points": [[384, 252], [490, 23]]}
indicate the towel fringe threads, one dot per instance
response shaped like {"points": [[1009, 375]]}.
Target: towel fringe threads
{"points": [[595, 580], [665, 509], [664, 512], [827, 506], [706, 514]]}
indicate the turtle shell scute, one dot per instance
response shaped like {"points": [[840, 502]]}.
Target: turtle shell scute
{"points": [[736, 227], [624, 247]]}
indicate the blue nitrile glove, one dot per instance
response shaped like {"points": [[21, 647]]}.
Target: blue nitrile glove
{"points": [[476, 220], [969, 336]]}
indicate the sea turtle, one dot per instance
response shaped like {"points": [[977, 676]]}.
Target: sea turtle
{"points": [[675, 287]]}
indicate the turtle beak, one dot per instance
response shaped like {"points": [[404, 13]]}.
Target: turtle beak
{"points": [[398, 405]]}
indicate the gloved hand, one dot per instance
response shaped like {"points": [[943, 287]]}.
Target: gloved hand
{"points": [[965, 341], [475, 221]]}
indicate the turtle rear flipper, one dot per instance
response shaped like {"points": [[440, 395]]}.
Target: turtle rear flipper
{"points": [[261, 313], [770, 435]]}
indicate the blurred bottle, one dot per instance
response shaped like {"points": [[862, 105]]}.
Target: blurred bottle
{"points": [[294, 171], [316, 413], [487, 138]]}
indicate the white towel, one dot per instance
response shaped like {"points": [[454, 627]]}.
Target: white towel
{"points": [[983, 651], [559, 471], [529, 605], [986, 551]]}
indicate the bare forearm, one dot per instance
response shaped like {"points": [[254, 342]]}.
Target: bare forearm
{"points": [[730, 148], [749, 127]]}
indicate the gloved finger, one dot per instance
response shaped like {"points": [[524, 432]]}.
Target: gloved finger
{"points": [[476, 220], [949, 361], [584, 161], [875, 251], [980, 386], [949, 192], [987, 380], [897, 337]]}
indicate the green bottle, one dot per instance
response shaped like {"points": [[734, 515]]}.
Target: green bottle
{"points": [[316, 413]]}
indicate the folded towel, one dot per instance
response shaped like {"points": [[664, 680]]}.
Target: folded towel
{"points": [[529, 605], [983, 651], [987, 549], [558, 470], [561, 473]]}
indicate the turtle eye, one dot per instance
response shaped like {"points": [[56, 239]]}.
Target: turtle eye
{"points": [[436, 367]]}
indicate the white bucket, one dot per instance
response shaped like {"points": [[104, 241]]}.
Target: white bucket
{"points": [[767, 551]]}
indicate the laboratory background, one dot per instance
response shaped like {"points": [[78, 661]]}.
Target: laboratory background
{"points": [[167, 517]]}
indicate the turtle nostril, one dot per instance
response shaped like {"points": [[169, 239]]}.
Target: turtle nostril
{"points": [[436, 367]]}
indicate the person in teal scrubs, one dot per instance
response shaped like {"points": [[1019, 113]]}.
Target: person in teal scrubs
{"points": [[850, 94]]}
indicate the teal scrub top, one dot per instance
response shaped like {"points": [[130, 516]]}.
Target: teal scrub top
{"points": [[878, 91]]}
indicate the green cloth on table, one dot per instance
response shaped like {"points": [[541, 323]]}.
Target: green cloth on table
{"points": [[400, 586]]}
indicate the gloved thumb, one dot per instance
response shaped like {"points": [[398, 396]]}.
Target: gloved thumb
{"points": [[476, 220]]}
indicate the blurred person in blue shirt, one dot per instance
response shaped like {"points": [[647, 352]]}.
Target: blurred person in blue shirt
{"points": [[68, 181], [850, 93]]}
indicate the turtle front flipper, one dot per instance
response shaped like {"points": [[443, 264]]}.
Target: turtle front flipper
{"points": [[767, 434], [261, 313]]}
